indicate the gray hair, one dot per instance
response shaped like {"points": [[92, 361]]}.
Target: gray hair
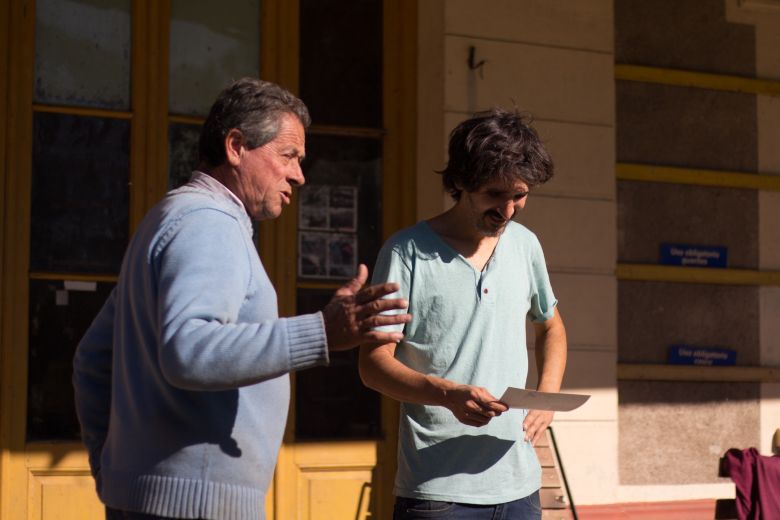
{"points": [[252, 106]]}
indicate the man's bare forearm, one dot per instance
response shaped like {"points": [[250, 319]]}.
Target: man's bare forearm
{"points": [[551, 351], [381, 371]]}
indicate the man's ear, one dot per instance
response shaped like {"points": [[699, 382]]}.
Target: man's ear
{"points": [[234, 144]]}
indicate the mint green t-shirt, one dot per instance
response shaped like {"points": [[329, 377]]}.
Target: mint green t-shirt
{"points": [[469, 327]]}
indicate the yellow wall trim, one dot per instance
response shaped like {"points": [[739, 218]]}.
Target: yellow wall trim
{"points": [[685, 78], [83, 111], [187, 120], [670, 273], [325, 286], [347, 131], [111, 278], [638, 372], [699, 177]]}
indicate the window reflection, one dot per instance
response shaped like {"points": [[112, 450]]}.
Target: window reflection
{"points": [[332, 402], [82, 53], [211, 44], [348, 170], [182, 152], [60, 312], [79, 193], [341, 61]]}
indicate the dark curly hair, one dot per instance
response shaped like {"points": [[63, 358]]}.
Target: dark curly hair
{"points": [[495, 144], [254, 107]]}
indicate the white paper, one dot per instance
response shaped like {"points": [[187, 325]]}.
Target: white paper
{"points": [[533, 400]]}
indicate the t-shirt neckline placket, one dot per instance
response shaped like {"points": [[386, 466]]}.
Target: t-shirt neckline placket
{"points": [[485, 288]]}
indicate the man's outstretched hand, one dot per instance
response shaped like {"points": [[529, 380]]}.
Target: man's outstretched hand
{"points": [[353, 313]]}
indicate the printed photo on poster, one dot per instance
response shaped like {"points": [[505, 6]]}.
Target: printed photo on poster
{"points": [[327, 255], [342, 256], [343, 208], [327, 236], [313, 207], [328, 207], [312, 254]]}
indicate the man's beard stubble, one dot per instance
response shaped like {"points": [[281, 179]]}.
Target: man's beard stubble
{"points": [[486, 224]]}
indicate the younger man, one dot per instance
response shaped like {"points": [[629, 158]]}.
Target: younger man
{"points": [[471, 276]]}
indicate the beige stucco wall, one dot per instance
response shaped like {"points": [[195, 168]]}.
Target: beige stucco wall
{"points": [[765, 16], [553, 59], [769, 250], [768, 66]]}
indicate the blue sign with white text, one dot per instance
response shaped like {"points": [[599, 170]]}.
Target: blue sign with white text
{"points": [[694, 256], [708, 356]]}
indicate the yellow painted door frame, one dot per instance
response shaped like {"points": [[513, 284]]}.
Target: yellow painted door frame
{"points": [[304, 469], [5, 42], [13, 488]]}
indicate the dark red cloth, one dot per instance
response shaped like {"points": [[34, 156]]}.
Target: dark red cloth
{"points": [[757, 479]]}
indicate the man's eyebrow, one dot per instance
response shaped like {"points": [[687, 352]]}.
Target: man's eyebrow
{"points": [[502, 191], [294, 151], [299, 153]]}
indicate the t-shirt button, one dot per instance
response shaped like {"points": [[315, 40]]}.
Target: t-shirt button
{"points": [[485, 291]]}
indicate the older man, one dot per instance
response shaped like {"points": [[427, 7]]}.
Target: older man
{"points": [[181, 381]]}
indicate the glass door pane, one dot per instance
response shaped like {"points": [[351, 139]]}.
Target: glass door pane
{"points": [[340, 203], [340, 222], [79, 220], [341, 61], [340, 207], [80, 192], [82, 53], [182, 152], [212, 43], [60, 312]]}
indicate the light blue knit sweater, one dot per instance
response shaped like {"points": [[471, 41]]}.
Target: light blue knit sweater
{"points": [[181, 381]]}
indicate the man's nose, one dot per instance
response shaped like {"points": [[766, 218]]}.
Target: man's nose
{"points": [[297, 178], [507, 209]]}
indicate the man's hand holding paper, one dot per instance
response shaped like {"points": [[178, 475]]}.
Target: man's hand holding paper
{"points": [[540, 406]]}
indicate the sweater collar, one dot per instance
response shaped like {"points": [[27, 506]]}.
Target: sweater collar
{"points": [[206, 182]]}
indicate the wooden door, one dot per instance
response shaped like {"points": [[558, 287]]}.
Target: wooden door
{"points": [[356, 72], [104, 104], [73, 163], [100, 96]]}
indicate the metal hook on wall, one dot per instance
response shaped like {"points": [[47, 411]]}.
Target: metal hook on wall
{"points": [[477, 65]]}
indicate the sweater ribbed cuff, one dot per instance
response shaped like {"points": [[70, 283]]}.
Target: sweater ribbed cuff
{"points": [[307, 341]]}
